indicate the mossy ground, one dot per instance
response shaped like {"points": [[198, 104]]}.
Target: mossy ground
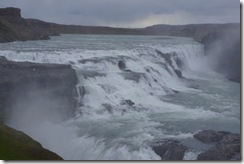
{"points": [[15, 145]]}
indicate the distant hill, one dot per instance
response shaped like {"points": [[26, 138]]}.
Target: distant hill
{"points": [[13, 27]]}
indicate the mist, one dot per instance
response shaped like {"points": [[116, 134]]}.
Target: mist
{"points": [[35, 105], [224, 53]]}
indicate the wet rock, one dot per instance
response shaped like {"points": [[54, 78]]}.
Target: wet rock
{"points": [[47, 87], [170, 150], [127, 102], [178, 73], [121, 65], [129, 75], [213, 154], [166, 56], [3, 58], [227, 145], [108, 107], [209, 136], [179, 62]]}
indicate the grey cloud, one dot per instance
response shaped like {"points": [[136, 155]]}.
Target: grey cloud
{"points": [[103, 12]]}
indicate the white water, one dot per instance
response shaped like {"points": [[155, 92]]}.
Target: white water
{"points": [[165, 106]]}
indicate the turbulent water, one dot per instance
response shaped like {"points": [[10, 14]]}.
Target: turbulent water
{"points": [[132, 92]]}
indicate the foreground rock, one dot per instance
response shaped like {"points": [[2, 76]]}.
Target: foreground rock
{"points": [[170, 150], [48, 90], [16, 145], [227, 145]]}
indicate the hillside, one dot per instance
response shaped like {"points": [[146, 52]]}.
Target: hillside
{"points": [[16, 145], [13, 27]]}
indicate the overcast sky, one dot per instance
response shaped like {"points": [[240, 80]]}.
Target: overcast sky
{"points": [[128, 13]]}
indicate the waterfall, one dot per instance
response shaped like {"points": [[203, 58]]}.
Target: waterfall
{"points": [[132, 91]]}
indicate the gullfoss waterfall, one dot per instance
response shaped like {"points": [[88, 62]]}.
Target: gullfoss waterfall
{"points": [[132, 92]]}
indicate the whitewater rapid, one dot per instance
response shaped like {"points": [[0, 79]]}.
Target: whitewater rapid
{"points": [[132, 91]]}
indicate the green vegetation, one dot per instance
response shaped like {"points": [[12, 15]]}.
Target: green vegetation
{"points": [[16, 145]]}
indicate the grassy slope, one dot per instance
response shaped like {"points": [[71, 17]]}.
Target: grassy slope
{"points": [[15, 145]]}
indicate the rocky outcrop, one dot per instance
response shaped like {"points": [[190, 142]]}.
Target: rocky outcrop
{"points": [[10, 11], [16, 145], [227, 145], [170, 150], [14, 28], [26, 85]]}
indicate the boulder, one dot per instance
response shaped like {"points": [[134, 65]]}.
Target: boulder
{"points": [[121, 65], [170, 150], [3, 58], [227, 145], [209, 136], [127, 102]]}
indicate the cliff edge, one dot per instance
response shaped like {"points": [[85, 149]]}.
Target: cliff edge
{"points": [[14, 28]]}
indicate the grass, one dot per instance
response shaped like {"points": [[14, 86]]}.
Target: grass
{"points": [[16, 145]]}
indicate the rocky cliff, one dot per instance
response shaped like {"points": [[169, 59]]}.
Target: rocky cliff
{"points": [[13, 27], [40, 88]]}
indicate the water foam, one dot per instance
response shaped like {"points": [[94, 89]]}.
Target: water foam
{"points": [[122, 111]]}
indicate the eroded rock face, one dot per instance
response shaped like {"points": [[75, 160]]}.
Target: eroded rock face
{"points": [[227, 145], [10, 11], [209, 136], [171, 150], [26, 85]]}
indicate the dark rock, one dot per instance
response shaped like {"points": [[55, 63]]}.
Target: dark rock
{"points": [[127, 102], [121, 65], [178, 73], [45, 87], [214, 154], [14, 28], [3, 58], [179, 62], [208, 136], [170, 150], [166, 56], [10, 11], [129, 75], [227, 145], [108, 107]]}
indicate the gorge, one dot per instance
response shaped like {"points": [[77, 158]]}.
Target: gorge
{"points": [[63, 80]]}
